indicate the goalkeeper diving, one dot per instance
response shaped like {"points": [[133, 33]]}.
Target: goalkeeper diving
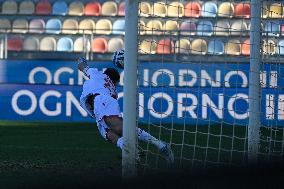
{"points": [[99, 100]]}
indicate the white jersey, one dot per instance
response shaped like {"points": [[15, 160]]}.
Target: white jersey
{"points": [[98, 83]]}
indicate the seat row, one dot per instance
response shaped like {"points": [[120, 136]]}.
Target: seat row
{"points": [[151, 27], [111, 8], [146, 46]]}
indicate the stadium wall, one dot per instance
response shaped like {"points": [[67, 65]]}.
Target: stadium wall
{"points": [[193, 93]]}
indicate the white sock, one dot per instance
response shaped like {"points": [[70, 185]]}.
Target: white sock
{"points": [[119, 142], [146, 137]]}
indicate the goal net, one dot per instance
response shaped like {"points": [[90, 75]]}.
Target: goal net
{"points": [[193, 81]]}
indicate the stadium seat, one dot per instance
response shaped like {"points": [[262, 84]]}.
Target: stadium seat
{"points": [[199, 47], [272, 28], [265, 11], [5, 25], [148, 46], [269, 47], [82, 44], [104, 26], [209, 9], [99, 45], [37, 26], [154, 27], [115, 44], [175, 9], [145, 9], [121, 9], [239, 28], [65, 44], [242, 10], [20, 26], [171, 27], [76, 8], [246, 47], [182, 46], [54, 26], [9, 7], [47, 44], [109, 8], [226, 9], [216, 47], [70, 26], [276, 10], [31, 44], [222, 28], [233, 47], [87, 26], [160, 9], [26, 7], [165, 46], [93, 9], [142, 27], [282, 29], [43, 7], [118, 27], [205, 28], [60, 7], [15, 43], [188, 28], [192, 9], [280, 49]]}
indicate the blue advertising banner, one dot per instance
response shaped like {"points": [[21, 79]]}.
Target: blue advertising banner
{"points": [[181, 93]]}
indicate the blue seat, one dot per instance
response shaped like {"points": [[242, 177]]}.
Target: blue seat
{"points": [[280, 49], [60, 8], [53, 26], [205, 28], [118, 27], [65, 44], [209, 9], [216, 47], [272, 28]]}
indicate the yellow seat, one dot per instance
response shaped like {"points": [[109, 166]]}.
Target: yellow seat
{"points": [[104, 26], [160, 9], [171, 27], [115, 44], [76, 8], [145, 9], [269, 47], [199, 47], [265, 11], [276, 10], [226, 9], [20, 26], [87, 26], [47, 44], [154, 27], [142, 27], [148, 46], [26, 7], [5, 25], [9, 7], [222, 28], [109, 8], [182, 46], [239, 28], [233, 47], [70, 26], [175, 9], [82, 44]]}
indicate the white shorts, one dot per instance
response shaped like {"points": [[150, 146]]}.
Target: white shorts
{"points": [[105, 106]]}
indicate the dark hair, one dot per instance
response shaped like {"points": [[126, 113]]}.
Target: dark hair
{"points": [[113, 74]]}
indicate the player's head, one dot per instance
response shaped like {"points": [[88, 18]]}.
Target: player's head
{"points": [[113, 74]]}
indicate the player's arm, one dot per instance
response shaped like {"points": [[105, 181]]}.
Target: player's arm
{"points": [[84, 67]]}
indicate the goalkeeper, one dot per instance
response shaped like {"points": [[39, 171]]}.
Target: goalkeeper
{"points": [[99, 100]]}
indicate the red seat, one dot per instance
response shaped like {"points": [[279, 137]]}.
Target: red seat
{"points": [[15, 44], [43, 7], [93, 9], [121, 9], [99, 45], [282, 29], [246, 47], [242, 10], [165, 46], [192, 9]]}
